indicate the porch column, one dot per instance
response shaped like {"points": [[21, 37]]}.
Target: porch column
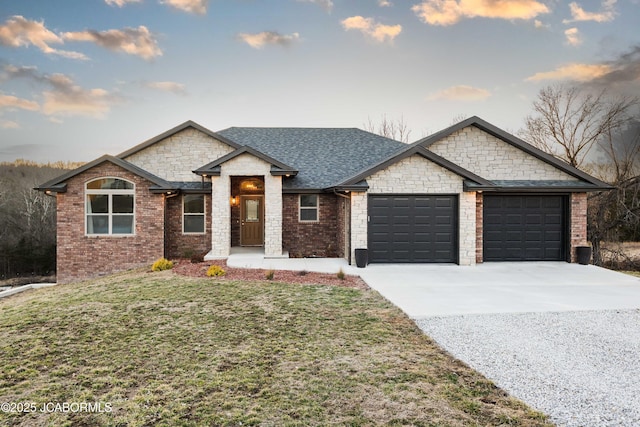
{"points": [[220, 217], [272, 216]]}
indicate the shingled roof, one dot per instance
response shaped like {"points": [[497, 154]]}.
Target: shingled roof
{"points": [[325, 157]]}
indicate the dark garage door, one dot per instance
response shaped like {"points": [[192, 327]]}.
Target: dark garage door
{"points": [[523, 228], [413, 228]]}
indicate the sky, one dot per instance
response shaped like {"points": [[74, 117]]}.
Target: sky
{"points": [[83, 78]]}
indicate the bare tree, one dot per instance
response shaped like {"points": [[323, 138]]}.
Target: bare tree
{"points": [[615, 215], [389, 128], [595, 131], [568, 122]]}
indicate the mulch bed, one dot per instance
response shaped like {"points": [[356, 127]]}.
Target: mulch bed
{"points": [[185, 267]]}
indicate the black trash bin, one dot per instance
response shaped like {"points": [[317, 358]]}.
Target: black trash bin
{"points": [[584, 254], [362, 257]]}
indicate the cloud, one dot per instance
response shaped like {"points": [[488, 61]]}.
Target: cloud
{"points": [[461, 93], [325, 4], [449, 12], [9, 124], [63, 97], [198, 7], [539, 24], [173, 87], [12, 102], [384, 3], [624, 69], [120, 3], [575, 72], [68, 99], [259, 40], [573, 36], [579, 14], [133, 41], [369, 27], [20, 32]]}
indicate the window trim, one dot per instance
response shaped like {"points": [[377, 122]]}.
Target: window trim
{"points": [[110, 214], [308, 208], [203, 214]]}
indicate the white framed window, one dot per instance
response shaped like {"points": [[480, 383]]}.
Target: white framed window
{"points": [[193, 214], [109, 207], [309, 208]]}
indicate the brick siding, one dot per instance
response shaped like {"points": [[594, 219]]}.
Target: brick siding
{"points": [[80, 256], [578, 218], [178, 244], [309, 239]]}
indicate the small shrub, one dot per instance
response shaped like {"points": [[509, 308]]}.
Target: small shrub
{"points": [[340, 274], [302, 273], [269, 274], [162, 264], [215, 271]]}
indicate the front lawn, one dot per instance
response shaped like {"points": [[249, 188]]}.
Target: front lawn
{"points": [[160, 349]]}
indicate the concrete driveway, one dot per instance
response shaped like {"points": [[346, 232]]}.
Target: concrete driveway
{"points": [[428, 290], [561, 337]]}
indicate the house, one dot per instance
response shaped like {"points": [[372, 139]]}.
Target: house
{"points": [[470, 193]]}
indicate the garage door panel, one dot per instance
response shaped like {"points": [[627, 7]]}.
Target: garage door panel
{"points": [[523, 227], [420, 228]]}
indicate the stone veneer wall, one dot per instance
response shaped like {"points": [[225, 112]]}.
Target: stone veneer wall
{"points": [[80, 256], [578, 215], [417, 175], [479, 230], [245, 165], [310, 239], [178, 244], [492, 158], [175, 157]]}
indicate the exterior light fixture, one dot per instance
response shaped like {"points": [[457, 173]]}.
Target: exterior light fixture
{"points": [[234, 201]]}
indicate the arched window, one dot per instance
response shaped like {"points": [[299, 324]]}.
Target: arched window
{"points": [[109, 206]]}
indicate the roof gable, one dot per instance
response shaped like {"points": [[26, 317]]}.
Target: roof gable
{"points": [[410, 151], [58, 184], [173, 131], [277, 167], [513, 141]]}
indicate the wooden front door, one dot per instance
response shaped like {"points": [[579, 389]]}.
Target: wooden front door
{"points": [[251, 220]]}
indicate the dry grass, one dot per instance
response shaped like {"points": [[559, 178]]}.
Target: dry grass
{"points": [[179, 351]]}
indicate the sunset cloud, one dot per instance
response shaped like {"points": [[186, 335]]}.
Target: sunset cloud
{"points": [[173, 87], [575, 72], [20, 32], [325, 4], [62, 96], [259, 40], [449, 12], [198, 7], [120, 3], [133, 41], [461, 93], [579, 14], [370, 28], [12, 102], [9, 124], [68, 99], [573, 36]]}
